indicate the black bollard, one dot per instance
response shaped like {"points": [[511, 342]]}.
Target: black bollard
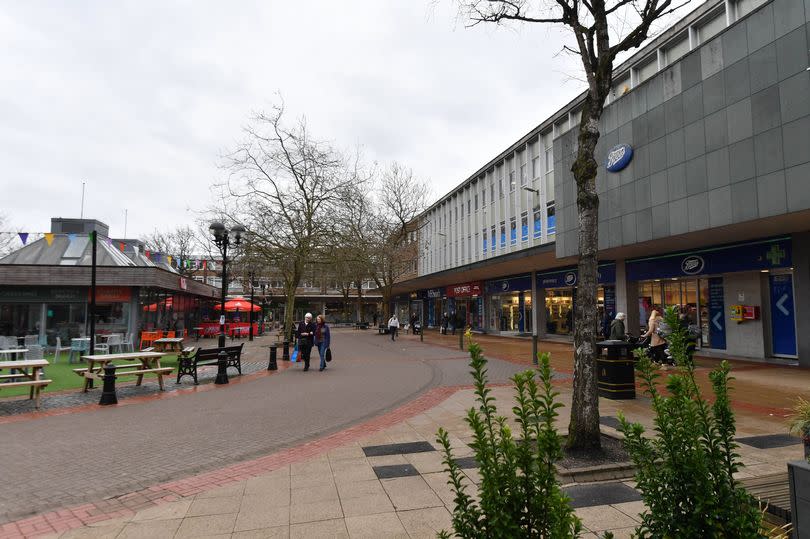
{"points": [[108, 395], [222, 368], [286, 351], [461, 340], [273, 365], [534, 349]]}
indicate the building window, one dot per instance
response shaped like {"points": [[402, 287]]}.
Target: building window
{"points": [[500, 187], [462, 251], [512, 231], [647, 69], [476, 201], [484, 232], [524, 226], [503, 234], [712, 25], [492, 193], [552, 220], [511, 181], [492, 239], [483, 197], [469, 248], [468, 206], [523, 178], [535, 167], [538, 223]]}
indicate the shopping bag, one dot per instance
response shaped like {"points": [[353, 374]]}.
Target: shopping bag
{"points": [[294, 357], [328, 355]]}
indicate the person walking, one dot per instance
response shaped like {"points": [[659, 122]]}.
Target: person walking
{"points": [[445, 321], [657, 343], [393, 326], [305, 333], [322, 339], [617, 329]]}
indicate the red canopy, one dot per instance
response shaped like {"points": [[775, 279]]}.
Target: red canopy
{"points": [[238, 304], [155, 306]]}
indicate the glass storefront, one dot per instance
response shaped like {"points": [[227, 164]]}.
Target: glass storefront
{"points": [[510, 313], [689, 296], [560, 310]]}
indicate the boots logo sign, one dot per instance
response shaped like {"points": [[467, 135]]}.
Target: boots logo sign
{"points": [[619, 157], [692, 265]]}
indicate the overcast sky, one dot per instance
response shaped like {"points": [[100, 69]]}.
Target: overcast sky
{"points": [[140, 98]]}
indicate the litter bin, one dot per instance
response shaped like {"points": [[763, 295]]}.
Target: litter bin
{"points": [[616, 365]]}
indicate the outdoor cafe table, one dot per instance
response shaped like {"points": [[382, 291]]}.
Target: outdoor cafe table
{"points": [[20, 369], [97, 362], [14, 351], [169, 343]]}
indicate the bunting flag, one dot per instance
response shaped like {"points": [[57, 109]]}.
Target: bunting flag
{"points": [[109, 242], [169, 259], [146, 253], [49, 238], [205, 264], [157, 257], [71, 237], [121, 246], [23, 237]]}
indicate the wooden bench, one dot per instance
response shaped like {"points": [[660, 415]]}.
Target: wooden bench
{"points": [[187, 366], [29, 371], [773, 491]]}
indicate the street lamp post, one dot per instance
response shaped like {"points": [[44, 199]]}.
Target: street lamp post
{"points": [[251, 276], [222, 239]]}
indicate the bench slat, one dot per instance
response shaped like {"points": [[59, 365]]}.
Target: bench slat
{"points": [[146, 371], [27, 383]]}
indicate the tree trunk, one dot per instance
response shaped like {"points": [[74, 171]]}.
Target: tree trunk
{"points": [[360, 302], [289, 311], [583, 429]]}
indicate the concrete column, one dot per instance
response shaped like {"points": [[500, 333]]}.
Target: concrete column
{"points": [[535, 309], [801, 295], [627, 298], [43, 320], [541, 319]]}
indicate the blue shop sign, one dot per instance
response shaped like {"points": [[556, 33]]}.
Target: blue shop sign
{"points": [[519, 283], [569, 277], [619, 157], [758, 255]]}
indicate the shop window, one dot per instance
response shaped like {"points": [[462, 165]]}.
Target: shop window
{"points": [[538, 223], [559, 311], [551, 226], [524, 226], [503, 234]]}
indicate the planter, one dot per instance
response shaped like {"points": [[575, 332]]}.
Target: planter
{"points": [[799, 483]]}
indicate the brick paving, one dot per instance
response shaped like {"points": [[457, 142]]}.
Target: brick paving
{"points": [[111, 451]]}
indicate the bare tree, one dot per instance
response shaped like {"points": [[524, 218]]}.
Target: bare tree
{"points": [[181, 244], [591, 22], [6, 237], [284, 186]]}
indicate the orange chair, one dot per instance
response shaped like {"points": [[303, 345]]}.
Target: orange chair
{"points": [[169, 335], [147, 338]]}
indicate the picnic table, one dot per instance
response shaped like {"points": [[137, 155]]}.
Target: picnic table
{"points": [[168, 343], [13, 351], [149, 364], [239, 331], [20, 369]]}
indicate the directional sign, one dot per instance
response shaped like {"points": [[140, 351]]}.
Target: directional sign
{"points": [[716, 321], [781, 304], [783, 317], [717, 329]]}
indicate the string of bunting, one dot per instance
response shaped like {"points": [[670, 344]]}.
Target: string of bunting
{"points": [[157, 257]]}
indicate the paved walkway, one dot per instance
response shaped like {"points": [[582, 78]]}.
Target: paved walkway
{"points": [[151, 466], [111, 451]]}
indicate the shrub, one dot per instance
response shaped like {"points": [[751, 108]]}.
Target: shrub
{"points": [[518, 495], [686, 472]]}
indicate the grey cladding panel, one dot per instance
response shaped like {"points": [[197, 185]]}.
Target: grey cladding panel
{"points": [[627, 198], [744, 201], [655, 92], [693, 104], [720, 206], [716, 130], [678, 217], [794, 96], [640, 137], [791, 53], [796, 140], [658, 155], [735, 44], [671, 81], [695, 139], [788, 15], [628, 229], [656, 123], [675, 148], [714, 93], [737, 83], [698, 208], [760, 28], [765, 109], [797, 180], [762, 68], [659, 190], [690, 70], [660, 221], [741, 160], [717, 170], [711, 58], [771, 194], [696, 181], [641, 161], [673, 114], [642, 188], [739, 121], [644, 225], [676, 182], [768, 152], [639, 103]]}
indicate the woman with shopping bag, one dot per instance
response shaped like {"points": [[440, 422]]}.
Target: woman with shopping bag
{"points": [[322, 339], [305, 333]]}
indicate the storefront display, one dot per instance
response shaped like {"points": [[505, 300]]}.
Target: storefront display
{"points": [[463, 305], [510, 305], [560, 293]]}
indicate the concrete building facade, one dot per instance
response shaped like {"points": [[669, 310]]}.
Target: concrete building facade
{"points": [[711, 212]]}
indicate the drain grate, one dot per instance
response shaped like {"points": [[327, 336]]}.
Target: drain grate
{"points": [[610, 421], [770, 441], [465, 463], [397, 449], [601, 494], [395, 470]]}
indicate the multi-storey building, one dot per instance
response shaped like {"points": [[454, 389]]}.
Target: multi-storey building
{"points": [[710, 213]]}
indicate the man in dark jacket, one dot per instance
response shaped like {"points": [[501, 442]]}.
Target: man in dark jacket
{"points": [[617, 329], [305, 333]]}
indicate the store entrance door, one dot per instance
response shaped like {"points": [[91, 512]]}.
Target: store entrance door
{"points": [[783, 317]]}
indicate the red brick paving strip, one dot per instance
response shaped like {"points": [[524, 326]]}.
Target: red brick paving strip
{"points": [[62, 520]]}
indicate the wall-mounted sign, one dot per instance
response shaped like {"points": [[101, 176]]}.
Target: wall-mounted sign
{"points": [[569, 277], [750, 256], [111, 294], [512, 284], [434, 293], [619, 157], [183, 284], [466, 289]]}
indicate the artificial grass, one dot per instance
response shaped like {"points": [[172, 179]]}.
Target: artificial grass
{"points": [[61, 372]]}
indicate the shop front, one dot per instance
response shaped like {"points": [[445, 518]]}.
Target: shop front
{"points": [[558, 287], [739, 297], [434, 306], [465, 305], [509, 303]]}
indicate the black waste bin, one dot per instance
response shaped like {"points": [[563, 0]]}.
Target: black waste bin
{"points": [[616, 378]]}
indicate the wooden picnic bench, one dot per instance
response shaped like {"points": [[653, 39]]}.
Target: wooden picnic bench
{"points": [[774, 491], [31, 380], [168, 343], [187, 364], [149, 364]]}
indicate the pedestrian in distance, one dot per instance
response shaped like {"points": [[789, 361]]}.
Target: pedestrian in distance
{"points": [[617, 329], [305, 334], [453, 320], [393, 326], [445, 321], [322, 339]]}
